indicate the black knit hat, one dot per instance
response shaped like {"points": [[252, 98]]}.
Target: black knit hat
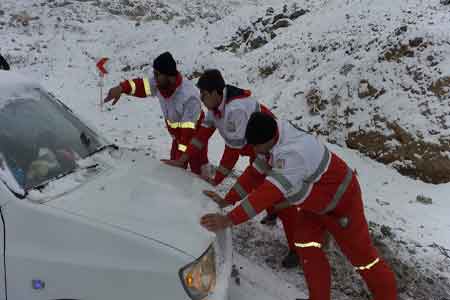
{"points": [[211, 80], [261, 128], [165, 64]]}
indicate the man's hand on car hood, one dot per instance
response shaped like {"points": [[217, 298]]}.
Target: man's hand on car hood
{"points": [[215, 222]]}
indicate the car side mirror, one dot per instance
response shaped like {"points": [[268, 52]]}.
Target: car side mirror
{"points": [[4, 64]]}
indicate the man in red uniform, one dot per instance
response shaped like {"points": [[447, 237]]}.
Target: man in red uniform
{"points": [[294, 170], [229, 109], [180, 105]]}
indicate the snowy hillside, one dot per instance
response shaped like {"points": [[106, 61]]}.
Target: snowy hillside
{"points": [[373, 76], [354, 71]]}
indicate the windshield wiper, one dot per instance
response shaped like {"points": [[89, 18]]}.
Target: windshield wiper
{"points": [[101, 148], [59, 176], [42, 185]]}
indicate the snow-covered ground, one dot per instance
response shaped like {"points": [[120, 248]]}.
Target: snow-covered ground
{"points": [[331, 47]]}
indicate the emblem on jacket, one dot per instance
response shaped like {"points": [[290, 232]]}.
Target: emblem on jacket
{"points": [[280, 163], [231, 127]]}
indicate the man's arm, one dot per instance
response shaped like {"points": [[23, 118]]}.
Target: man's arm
{"points": [[138, 87], [245, 184], [229, 159], [264, 197], [280, 185]]}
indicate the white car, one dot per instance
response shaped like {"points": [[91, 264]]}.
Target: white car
{"points": [[84, 219]]}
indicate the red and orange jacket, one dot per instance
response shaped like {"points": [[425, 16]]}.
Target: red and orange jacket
{"points": [[180, 106], [230, 118], [299, 171]]}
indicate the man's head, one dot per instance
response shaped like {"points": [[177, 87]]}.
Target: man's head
{"points": [[261, 132], [211, 85], [165, 70]]}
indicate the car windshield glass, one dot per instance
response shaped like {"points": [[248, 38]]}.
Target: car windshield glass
{"points": [[40, 138]]}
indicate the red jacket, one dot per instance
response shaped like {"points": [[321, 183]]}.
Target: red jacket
{"points": [[298, 172], [235, 99], [180, 106]]}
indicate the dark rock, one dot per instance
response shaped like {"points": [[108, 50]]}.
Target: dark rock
{"points": [[258, 42], [126, 68], [424, 200], [298, 14], [445, 2], [428, 161], [283, 23], [246, 34], [386, 231], [279, 17], [366, 89], [322, 48], [416, 42], [401, 30], [409, 53], [396, 53], [346, 69], [265, 22], [266, 71], [270, 11], [233, 47], [441, 87], [315, 101]]}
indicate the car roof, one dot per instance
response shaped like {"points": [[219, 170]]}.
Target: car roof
{"points": [[11, 80], [13, 84]]}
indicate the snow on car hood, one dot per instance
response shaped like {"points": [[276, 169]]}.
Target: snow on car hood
{"points": [[142, 196]]}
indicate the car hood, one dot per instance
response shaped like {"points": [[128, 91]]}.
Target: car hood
{"points": [[144, 197]]}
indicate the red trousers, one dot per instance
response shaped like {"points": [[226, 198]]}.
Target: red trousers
{"points": [[348, 225], [287, 216], [196, 162]]}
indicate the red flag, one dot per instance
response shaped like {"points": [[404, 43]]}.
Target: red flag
{"points": [[101, 65]]}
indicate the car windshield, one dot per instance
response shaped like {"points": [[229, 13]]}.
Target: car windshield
{"points": [[40, 139]]}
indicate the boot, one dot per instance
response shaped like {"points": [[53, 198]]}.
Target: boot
{"points": [[290, 260], [269, 220]]}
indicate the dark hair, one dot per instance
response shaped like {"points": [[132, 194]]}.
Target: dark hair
{"points": [[165, 64], [261, 128], [211, 80]]}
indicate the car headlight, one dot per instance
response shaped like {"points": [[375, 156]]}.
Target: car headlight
{"points": [[199, 277]]}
